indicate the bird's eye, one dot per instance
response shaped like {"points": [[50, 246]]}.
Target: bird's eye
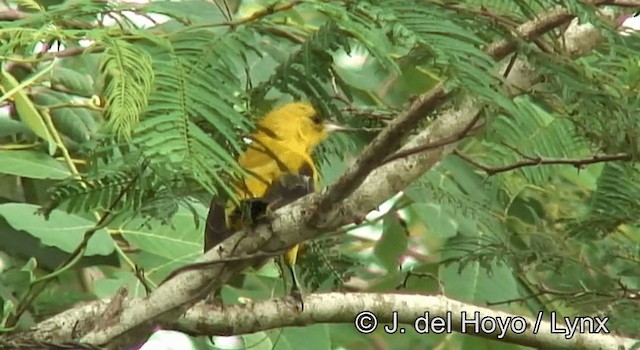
{"points": [[316, 118]]}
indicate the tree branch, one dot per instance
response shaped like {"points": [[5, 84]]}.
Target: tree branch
{"points": [[537, 160], [269, 10], [367, 311], [12, 15]]}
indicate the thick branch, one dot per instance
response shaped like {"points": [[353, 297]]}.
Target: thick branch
{"points": [[625, 3], [354, 307], [359, 309]]}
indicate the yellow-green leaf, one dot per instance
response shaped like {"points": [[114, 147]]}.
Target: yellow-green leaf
{"points": [[32, 164], [25, 108]]}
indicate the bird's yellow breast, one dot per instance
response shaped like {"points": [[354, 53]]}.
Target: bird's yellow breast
{"points": [[282, 144]]}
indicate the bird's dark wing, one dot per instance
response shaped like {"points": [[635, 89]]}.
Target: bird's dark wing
{"points": [[287, 189]]}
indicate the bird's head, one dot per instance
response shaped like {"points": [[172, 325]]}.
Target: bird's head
{"points": [[298, 122]]}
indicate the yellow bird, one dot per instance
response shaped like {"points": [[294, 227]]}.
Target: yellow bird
{"points": [[280, 147]]}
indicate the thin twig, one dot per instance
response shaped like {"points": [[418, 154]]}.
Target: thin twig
{"points": [[386, 142], [269, 10], [534, 161], [208, 264], [622, 291], [437, 144]]}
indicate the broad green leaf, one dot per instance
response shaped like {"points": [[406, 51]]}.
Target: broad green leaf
{"points": [[62, 230], [107, 287], [7, 308], [23, 245], [270, 269], [313, 337], [258, 341], [156, 268], [192, 12], [10, 127], [25, 108], [32, 164], [76, 123], [181, 241], [475, 284], [73, 80]]}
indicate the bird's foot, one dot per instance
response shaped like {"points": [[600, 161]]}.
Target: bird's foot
{"points": [[215, 299], [296, 293]]}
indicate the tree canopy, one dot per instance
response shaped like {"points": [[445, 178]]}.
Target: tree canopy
{"points": [[491, 167]]}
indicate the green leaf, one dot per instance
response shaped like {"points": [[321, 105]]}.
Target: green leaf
{"points": [[25, 108], [181, 241], [23, 245], [10, 127], [156, 268], [193, 119], [269, 269], [7, 308], [73, 122], [257, 341], [32, 164], [72, 80], [314, 337], [30, 4], [129, 77], [475, 284], [29, 267], [62, 230], [393, 243], [107, 287]]}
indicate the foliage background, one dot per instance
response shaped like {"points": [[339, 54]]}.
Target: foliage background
{"points": [[129, 131]]}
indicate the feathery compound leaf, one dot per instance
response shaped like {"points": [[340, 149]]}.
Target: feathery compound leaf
{"points": [[127, 185], [367, 25], [536, 132], [128, 75], [191, 123], [615, 202], [309, 71], [457, 46], [322, 265], [30, 4]]}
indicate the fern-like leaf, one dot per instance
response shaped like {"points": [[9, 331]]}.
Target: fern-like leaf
{"points": [[129, 76]]}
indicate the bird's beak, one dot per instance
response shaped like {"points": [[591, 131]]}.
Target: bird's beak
{"points": [[330, 127]]}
